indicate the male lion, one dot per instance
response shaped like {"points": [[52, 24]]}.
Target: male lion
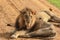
{"points": [[28, 24]]}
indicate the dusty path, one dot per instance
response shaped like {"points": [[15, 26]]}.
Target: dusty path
{"points": [[9, 10]]}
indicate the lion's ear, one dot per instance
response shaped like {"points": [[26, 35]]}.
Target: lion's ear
{"points": [[34, 12], [23, 12]]}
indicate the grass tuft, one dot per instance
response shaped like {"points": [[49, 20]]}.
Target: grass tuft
{"points": [[55, 2]]}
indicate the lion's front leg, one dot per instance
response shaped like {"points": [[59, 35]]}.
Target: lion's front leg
{"points": [[18, 33]]}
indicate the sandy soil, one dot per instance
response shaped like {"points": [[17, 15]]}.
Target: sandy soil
{"points": [[10, 9]]}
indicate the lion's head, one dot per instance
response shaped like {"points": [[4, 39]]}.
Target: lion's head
{"points": [[28, 17]]}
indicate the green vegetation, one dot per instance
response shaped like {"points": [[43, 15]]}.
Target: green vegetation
{"points": [[55, 2]]}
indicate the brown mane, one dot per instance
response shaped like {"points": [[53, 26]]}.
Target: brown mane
{"points": [[26, 19]]}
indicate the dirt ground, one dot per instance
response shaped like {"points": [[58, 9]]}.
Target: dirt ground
{"points": [[10, 9]]}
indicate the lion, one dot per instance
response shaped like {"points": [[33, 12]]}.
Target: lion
{"points": [[29, 24]]}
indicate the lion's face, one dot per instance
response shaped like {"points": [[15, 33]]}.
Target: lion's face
{"points": [[29, 17]]}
